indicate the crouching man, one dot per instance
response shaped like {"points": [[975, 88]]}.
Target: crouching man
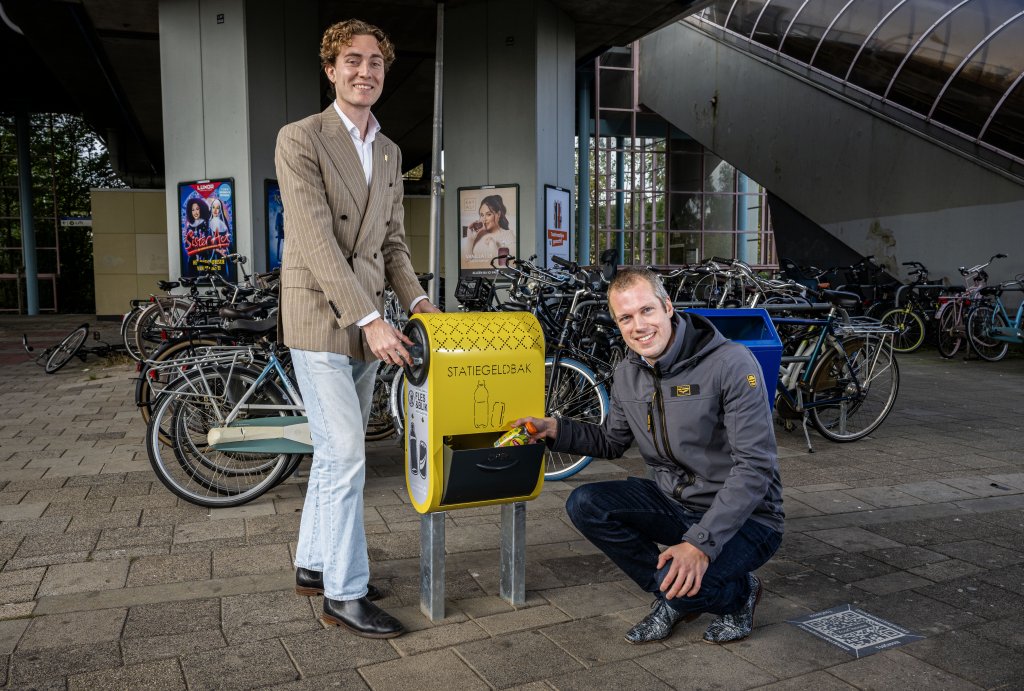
{"points": [[697, 408]]}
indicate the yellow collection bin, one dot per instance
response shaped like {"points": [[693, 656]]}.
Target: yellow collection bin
{"points": [[479, 372]]}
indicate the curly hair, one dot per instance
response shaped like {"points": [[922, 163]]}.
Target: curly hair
{"points": [[339, 35]]}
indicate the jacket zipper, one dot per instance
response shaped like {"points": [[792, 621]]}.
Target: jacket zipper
{"points": [[659, 408]]}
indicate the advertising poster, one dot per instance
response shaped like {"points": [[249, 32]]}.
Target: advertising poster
{"points": [[488, 227], [274, 213], [206, 213], [558, 211]]}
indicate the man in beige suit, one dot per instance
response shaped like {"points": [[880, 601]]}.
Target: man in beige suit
{"points": [[341, 184]]}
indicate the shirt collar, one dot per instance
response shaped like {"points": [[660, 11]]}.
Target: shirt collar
{"points": [[353, 130]]}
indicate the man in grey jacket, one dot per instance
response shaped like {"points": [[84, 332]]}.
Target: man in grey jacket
{"points": [[697, 408]]}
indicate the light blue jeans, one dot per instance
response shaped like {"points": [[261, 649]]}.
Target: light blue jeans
{"points": [[336, 391]]}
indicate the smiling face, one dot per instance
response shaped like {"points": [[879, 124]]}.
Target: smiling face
{"points": [[357, 74], [644, 319], [215, 208], [196, 213], [489, 218]]}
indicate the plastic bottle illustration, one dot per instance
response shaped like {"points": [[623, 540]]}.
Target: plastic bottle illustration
{"points": [[481, 405], [413, 448]]}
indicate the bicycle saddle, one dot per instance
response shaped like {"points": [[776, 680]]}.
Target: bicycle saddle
{"points": [[252, 327], [167, 285], [841, 298], [244, 312]]}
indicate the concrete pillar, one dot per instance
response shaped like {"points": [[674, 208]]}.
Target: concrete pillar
{"points": [[509, 117], [23, 135], [232, 73]]}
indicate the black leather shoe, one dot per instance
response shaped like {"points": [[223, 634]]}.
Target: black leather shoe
{"points": [[309, 583], [361, 617]]}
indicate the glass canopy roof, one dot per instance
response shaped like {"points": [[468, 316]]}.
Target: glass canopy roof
{"points": [[957, 63]]}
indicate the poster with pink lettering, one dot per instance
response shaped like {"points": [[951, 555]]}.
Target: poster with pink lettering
{"points": [[206, 213]]}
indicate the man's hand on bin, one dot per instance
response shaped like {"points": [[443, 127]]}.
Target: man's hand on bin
{"points": [[387, 342], [543, 427]]}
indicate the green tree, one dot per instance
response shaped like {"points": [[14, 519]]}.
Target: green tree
{"points": [[67, 160]]}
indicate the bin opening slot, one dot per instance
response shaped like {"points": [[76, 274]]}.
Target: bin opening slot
{"points": [[476, 470], [742, 328]]}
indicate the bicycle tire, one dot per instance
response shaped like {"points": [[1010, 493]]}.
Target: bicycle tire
{"points": [[381, 424], [148, 375], [131, 346], [910, 329], [572, 392], [62, 353], [863, 385], [194, 472], [950, 330], [979, 321], [152, 328]]}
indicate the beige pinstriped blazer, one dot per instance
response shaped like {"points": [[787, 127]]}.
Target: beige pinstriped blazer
{"points": [[342, 239]]}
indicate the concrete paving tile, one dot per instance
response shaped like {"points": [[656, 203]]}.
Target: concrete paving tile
{"points": [[813, 590], [122, 490], [7, 498], [57, 543], [596, 640], [487, 573], [583, 569], [411, 616], [134, 536], [774, 609], [447, 636], [797, 546], [145, 501], [161, 674], [17, 564], [21, 585], [852, 539], [891, 583], [239, 561], [819, 681], [584, 601], [493, 659], [259, 507], [1010, 578], [1011, 520], [970, 657], [169, 618], [484, 606], [239, 666], [278, 524], [16, 610], [42, 668], [347, 679], [10, 633], [883, 497], [73, 628], [797, 509], [1006, 632], [976, 597], [139, 650], [783, 651], [443, 668], [62, 579], [705, 666], [208, 530], [938, 530], [257, 609], [173, 515], [171, 568], [459, 584], [617, 675], [946, 570], [933, 491], [58, 495], [979, 486], [905, 557], [848, 567], [18, 512], [330, 650], [895, 669], [128, 552], [104, 521], [520, 620], [404, 545]]}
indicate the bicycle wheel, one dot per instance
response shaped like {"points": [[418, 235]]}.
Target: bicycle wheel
{"points": [[980, 323], [951, 330], [192, 406], [62, 353], [851, 395], [153, 376], [910, 329], [571, 391], [396, 403], [159, 322], [381, 425], [128, 332], [709, 290]]}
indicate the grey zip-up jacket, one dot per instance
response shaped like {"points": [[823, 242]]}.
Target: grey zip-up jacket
{"points": [[701, 420]]}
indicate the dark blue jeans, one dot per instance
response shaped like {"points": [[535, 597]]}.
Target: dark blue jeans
{"points": [[628, 519]]}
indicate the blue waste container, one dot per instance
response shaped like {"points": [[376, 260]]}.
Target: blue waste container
{"points": [[753, 328]]}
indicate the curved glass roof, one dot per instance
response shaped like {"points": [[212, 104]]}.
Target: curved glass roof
{"points": [[956, 63]]}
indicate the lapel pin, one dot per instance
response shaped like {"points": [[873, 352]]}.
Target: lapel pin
{"points": [[385, 157]]}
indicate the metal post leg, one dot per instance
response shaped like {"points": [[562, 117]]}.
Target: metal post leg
{"points": [[432, 565], [513, 553]]}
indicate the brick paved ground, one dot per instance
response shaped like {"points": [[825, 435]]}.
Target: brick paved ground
{"points": [[108, 581]]}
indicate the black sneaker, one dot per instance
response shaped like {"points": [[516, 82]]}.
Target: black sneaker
{"points": [[735, 627]]}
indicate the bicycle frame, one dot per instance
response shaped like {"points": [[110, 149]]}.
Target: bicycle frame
{"points": [[1012, 332]]}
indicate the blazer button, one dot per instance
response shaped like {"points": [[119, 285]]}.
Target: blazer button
{"points": [[344, 217], [378, 293], [354, 255], [374, 255]]}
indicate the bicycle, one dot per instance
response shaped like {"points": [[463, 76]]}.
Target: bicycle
{"points": [[953, 310], [235, 422], [56, 356], [840, 374], [990, 330], [910, 321]]}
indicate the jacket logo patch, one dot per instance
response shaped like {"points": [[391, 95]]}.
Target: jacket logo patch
{"points": [[752, 380], [685, 390]]}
